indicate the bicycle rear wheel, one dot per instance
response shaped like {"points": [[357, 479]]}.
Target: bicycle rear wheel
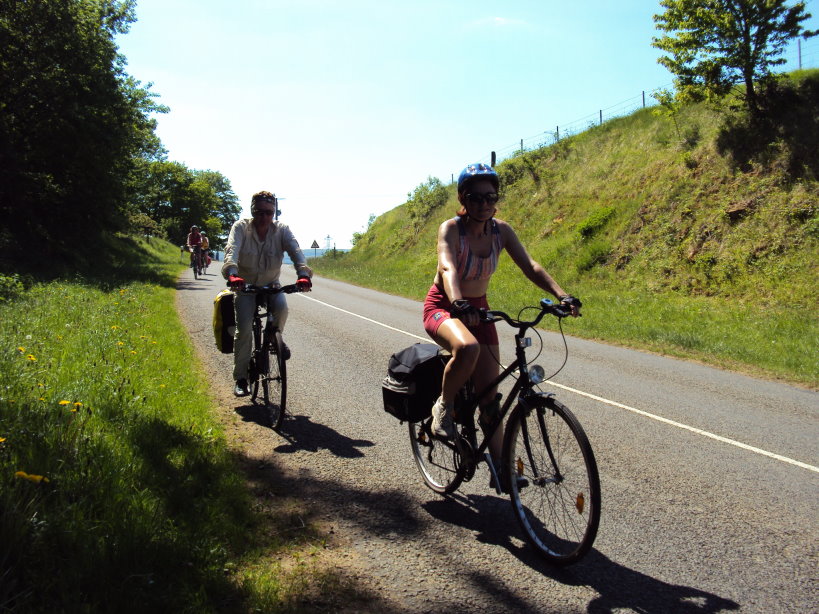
{"points": [[438, 461], [275, 384], [553, 480]]}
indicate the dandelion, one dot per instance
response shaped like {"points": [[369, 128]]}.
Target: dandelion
{"points": [[120, 343], [161, 385], [31, 478], [40, 385], [153, 342], [115, 327], [64, 402], [28, 337], [42, 399], [31, 358], [133, 351], [77, 405], [2, 439], [143, 337], [21, 349]]}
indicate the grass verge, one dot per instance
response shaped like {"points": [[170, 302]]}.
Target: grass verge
{"points": [[118, 489]]}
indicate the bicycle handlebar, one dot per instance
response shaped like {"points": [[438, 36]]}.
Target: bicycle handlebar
{"points": [[269, 289], [546, 306]]}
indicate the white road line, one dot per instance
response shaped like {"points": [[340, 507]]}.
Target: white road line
{"points": [[640, 412]]}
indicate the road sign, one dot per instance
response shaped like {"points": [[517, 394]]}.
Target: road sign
{"points": [[314, 245]]}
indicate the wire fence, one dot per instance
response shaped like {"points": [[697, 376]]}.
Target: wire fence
{"points": [[803, 54]]}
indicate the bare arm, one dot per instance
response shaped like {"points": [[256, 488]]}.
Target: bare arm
{"points": [[447, 259]]}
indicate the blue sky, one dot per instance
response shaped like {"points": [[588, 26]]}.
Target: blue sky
{"points": [[343, 108]]}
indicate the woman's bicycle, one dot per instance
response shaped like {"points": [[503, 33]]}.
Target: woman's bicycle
{"points": [[547, 468], [267, 372]]}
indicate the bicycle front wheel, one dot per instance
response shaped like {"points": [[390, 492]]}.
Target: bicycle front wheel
{"points": [[553, 480], [275, 384], [438, 460]]}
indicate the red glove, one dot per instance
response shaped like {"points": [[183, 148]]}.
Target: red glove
{"points": [[304, 284], [236, 283]]}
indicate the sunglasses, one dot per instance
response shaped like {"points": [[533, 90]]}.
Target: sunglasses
{"points": [[479, 199], [261, 212]]}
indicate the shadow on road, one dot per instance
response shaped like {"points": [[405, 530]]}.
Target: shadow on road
{"points": [[618, 586], [303, 434]]}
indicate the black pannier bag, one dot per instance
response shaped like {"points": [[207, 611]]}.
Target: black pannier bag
{"points": [[413, 381]]}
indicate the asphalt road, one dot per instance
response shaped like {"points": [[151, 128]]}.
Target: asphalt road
{"points": [[709, 478]]}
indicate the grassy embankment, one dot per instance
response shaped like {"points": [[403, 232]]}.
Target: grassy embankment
{"points": [[119, 492], [695, 237]]}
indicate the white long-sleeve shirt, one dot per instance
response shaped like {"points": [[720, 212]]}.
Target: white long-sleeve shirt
{"points": [[260, 262]]}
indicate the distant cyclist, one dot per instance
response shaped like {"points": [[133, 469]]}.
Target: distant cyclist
{"points": [[469, 246], [205, 251], [254, 253], [194, 244]]}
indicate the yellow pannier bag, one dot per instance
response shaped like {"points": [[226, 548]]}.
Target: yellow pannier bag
{"points": [[224, 321]]}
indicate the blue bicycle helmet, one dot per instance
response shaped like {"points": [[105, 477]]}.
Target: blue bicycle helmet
{"points": [[479, 171]]}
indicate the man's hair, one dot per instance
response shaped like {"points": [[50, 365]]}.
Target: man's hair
{"points": [[259, 197]]}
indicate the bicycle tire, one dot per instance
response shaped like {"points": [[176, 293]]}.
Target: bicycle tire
{"points": [[557, 509], [195, 271], [437, 460], [275, 383]]}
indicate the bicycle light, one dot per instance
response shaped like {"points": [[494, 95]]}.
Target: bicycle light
{"points": [[536, 374]]}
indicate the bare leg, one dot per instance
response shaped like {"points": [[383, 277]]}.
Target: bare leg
{"points": [[487, 369], [455, 337]]}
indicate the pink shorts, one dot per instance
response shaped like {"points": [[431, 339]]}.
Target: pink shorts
{"points": [[436, 312]]}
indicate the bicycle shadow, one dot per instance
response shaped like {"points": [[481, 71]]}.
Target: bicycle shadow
{"points": [[618, 587], [250, 412], [301, 433]]}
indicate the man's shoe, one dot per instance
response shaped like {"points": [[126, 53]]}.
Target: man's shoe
{"points": [[442, 424], [522, 483], [241, 390]]}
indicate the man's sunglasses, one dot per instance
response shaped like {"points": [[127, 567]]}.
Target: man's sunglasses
{"points": [[261, 212], [479, 199]]}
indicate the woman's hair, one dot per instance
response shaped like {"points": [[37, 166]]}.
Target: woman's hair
{"points": [[261, 197]]}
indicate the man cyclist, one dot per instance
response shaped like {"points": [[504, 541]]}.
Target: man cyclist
{"points": [[253, 254], [194, 243]]}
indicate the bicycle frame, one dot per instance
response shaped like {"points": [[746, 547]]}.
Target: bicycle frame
{"points": [[518, 392]]}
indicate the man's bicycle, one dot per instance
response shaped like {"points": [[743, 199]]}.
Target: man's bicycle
{"points": [[267, 372], [196, 261], [547, 468]]}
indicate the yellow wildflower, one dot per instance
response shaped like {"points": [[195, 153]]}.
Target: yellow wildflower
{"points": [[2, 439], [21, 349], [120, 343], [42, 398], [64, 402], [133, 351], [77, 405], [115, 327], [31, 358], [31, 478]]}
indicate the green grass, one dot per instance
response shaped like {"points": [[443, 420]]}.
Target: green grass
{"points": [[695, 238], [118, 489]]}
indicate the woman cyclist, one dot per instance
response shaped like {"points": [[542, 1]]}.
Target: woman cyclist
{"points": [[469, 246]]}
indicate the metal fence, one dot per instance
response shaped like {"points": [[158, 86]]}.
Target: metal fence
{"points": [[803, 54]]}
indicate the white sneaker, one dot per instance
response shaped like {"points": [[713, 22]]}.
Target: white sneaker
{"points": [[442, 424]]}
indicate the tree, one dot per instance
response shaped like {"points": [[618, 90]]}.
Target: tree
{"points": [[716, 44], [71, 121]]}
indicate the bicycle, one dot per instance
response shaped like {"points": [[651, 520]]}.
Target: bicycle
{"points": [[268, 378], [196, 261], [548, 466]]}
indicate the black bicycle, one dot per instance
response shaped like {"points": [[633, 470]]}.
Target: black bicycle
{"points": [[267, 371], [547, 468]]}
